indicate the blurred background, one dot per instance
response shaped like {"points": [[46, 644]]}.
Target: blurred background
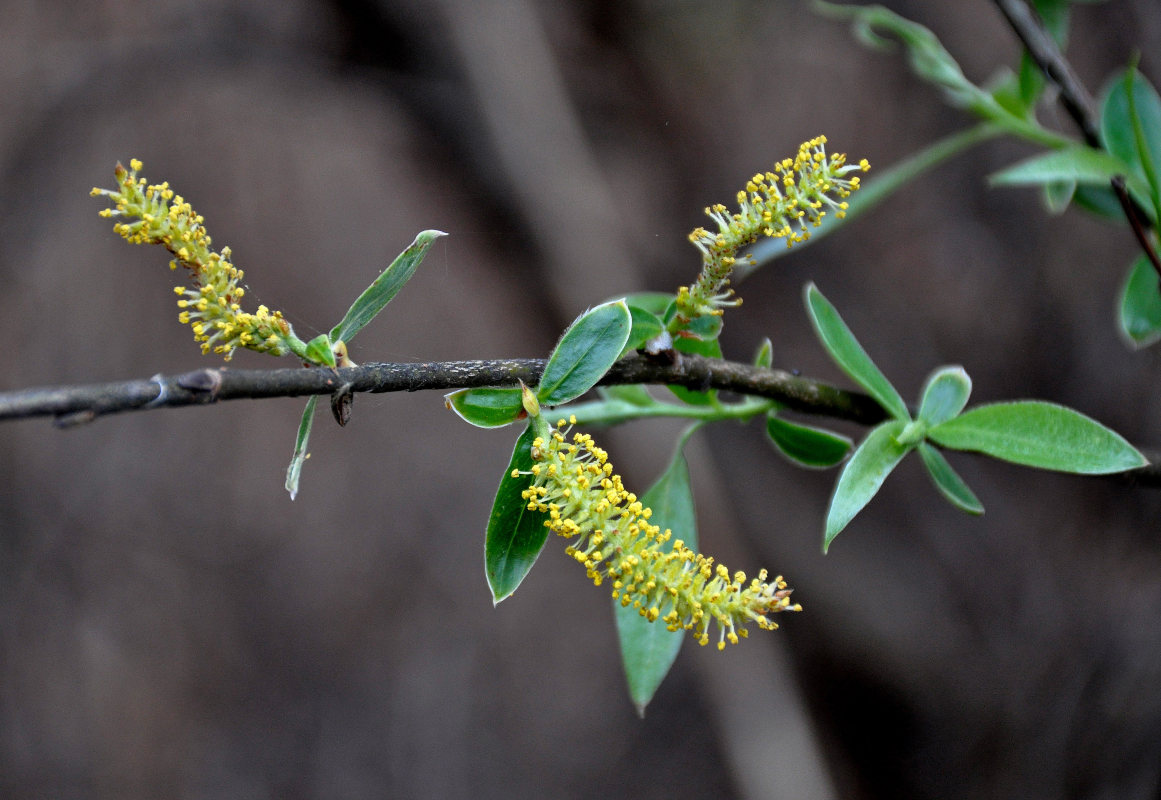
{"points": [[172, 625]]}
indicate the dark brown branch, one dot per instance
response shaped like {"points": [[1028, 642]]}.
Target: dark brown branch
{"points": [[78, 404], [75, 405], [1077, 101]]}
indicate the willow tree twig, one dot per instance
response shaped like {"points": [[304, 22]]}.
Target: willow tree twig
{"points": [[72, 405], [75, 405], [1077, 102]]}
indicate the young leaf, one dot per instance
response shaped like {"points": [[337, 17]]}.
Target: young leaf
{"points": [[381, 291], [1131, 107], [764, 358], [487, 407], [1099, 200], [1039, 434], [948, 481], [320, 350], [646, 326], [294, 471], [862, 476], [648, 649], [654, 302], [515, 535], [850, 356], [1079, 164], [1057, 196], [633, 393], [1140, 306], [584, 354], [807, 446], [928, 58], [944, 395]]}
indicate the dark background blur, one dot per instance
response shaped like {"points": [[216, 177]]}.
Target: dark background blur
{"points": [[173, 626]]}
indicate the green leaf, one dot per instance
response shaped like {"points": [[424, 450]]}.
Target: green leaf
{"points": [[1030, 81], [764, 358], [320, 350], [1039, 434], [1054, 16], [1078, 164], [944, 395], [632, 393], [294, 471], [862, 476], [487, 407], [584, 354], [1008, 92], [384, 288], [648, 649], [515, 535], [805, 445], [1140, 306], [926, 55], [1131, 123], [1057, 195], [850, 356], [645, 326], [710, 348], [655, 303], [948, 481], [1101, 201]]}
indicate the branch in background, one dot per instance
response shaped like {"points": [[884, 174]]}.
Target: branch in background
{"points": [[1077, 101], [76, 405]]}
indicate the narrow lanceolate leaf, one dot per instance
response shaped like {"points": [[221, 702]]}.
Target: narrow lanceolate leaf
{"points": [[487, 407], [1131, 124], [294, 471], [846, 351], [384, 288], [764, 357], [948, 481], [1140, 307], [1039, 434], [944, 395], [584, 354], [648, 649], [515, 535], [862, 476], [927, 57], [1077, 164], [807, 446]]}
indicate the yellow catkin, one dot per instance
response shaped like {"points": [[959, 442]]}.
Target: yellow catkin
{"points": [[584, 500], [153, 214], [784, 203]]}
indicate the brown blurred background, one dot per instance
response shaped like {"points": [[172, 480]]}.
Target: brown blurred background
{"points": [[172, 625]]}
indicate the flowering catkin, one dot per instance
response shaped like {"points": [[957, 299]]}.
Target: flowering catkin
{"points": [[153, 214], [783, 204], [574, 484]]}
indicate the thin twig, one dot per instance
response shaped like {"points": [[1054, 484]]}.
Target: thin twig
{"points": [[77, 404], [1077, 101]]}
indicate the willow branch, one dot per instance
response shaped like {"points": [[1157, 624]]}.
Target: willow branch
{"points": [[1077, 102], [76, 405], [72, 405]]}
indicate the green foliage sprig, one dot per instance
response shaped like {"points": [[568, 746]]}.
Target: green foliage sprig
{"points": [[561, 481]]}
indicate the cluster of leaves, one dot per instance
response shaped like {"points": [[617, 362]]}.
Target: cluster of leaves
{"points": [[1069, 173]]}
